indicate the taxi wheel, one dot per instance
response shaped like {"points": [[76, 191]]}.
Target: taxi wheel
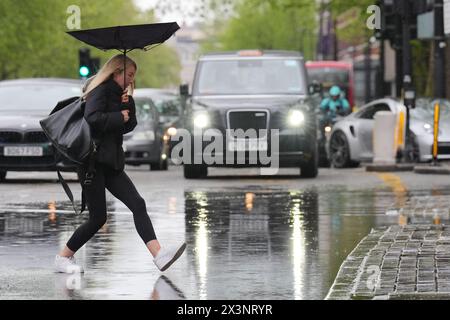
{"points": [[311, 168], [163, 165]]}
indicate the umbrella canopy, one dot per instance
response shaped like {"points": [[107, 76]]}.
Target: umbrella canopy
{"points": [[127, 38]]}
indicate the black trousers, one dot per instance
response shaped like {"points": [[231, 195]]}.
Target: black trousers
{"points": [[120, 186]]}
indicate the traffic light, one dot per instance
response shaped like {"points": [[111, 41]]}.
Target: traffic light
{"points": [[389, 21], [392, 15], [95, 64], [422, 6], [85, 69]]}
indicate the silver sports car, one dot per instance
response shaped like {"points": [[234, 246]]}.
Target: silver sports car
{"points": [[351, 139]]}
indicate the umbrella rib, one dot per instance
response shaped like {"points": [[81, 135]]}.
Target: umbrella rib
{"points": [[152, 46], [148, 48]]}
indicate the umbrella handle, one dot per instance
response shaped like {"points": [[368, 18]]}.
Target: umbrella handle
{"points": [[124, 68], [124, 105]]}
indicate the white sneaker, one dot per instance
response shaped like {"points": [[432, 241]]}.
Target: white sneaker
{"points": [[67, 265], [167, 256]]}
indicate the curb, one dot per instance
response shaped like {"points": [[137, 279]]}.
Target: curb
{"points": [[389, 167], [432, 169]]}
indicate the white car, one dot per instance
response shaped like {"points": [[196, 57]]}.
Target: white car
{"points": [[351, 140]]}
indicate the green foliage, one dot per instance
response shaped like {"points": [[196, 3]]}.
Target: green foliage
{"points": [[421, 51], [356, 30], [33, 41], [340, 6], [282, 25]]}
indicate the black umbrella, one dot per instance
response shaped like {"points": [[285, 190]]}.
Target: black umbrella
{"points": [[127, 38]]}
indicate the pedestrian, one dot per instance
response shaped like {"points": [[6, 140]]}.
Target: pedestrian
{"points": [[111, 113]]}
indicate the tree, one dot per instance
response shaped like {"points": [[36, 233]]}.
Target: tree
{"points": [[356, 30], [284, 25], [33, 41]]}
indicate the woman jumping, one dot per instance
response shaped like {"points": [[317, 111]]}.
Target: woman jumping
{"points": [[111, 113]]}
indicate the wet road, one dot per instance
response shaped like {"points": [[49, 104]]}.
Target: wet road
{"points": [[248, 237]]}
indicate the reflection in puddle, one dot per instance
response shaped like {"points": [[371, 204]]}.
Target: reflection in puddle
{"points": [[286, 244], [247, 239], [39, 219], [201, 243], [298, 246], [164, 289], [248, 243]]}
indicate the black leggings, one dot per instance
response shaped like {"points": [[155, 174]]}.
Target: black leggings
{"points": [[120, 186]]}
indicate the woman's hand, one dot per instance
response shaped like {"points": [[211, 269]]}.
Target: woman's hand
{"points": [[126, 115], [125, 96]]}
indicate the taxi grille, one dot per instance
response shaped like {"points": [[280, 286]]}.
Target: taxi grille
{"points": [[245, 120]]}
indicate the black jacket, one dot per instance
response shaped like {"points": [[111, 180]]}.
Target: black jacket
{"points": [[103, 113]]}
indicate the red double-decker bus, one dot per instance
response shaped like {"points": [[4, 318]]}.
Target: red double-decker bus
{"points": [[330, 73]]}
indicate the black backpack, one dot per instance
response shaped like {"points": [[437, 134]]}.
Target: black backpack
{"points": [[72, 140]]}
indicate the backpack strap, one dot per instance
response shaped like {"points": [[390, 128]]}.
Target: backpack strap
{"points": [[69, 192], [85, 181], [90, 172]]}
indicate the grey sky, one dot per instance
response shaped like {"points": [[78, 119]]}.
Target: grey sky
{"points": [[183, 16]]}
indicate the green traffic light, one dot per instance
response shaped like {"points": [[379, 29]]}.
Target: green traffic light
{"points": [[84, 71]]}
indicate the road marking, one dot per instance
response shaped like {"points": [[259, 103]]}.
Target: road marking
{"points": [[399, 189], [393, 181]]}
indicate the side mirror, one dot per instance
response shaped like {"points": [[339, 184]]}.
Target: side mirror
{"points": [[184, 90], [314, 88], [184, 95]]}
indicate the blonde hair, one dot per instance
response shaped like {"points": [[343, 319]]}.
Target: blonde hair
{"points": [[111, 67]]}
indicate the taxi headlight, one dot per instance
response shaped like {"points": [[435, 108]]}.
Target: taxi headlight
{"points": [[201, 120], [296, 118]]}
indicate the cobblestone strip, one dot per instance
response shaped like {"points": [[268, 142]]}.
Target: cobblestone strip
{"points": [[348, 276], [397, 262]]}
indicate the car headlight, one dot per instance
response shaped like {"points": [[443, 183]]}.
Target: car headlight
{"points": [[201, 120], [143, 135], [430, 129], [296, 118]]}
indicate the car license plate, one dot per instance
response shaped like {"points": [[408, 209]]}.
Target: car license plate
{"points": [[247, 145], [23, 151]]}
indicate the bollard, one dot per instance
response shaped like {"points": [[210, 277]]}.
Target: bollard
{"points": [[403, 220], [436, 132], [384, 138], [401, 130]]}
